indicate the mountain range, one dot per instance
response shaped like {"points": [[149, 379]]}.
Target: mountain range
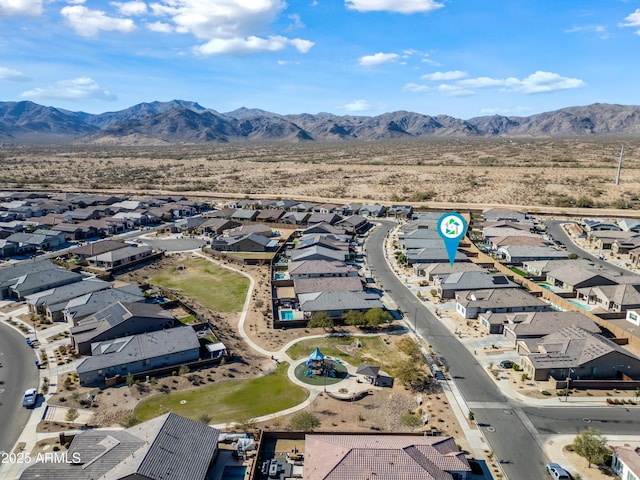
{"points": [[180, 121]]}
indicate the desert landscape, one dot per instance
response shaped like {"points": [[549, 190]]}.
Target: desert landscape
{"points": [[549, 173]]}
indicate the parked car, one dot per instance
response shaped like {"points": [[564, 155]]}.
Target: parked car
{"points": [[557, 472], [29, 398], [506, 364]]}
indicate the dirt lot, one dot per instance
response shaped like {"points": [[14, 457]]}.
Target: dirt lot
{"points": [[479, 171]]}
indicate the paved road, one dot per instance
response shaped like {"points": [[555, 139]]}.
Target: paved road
{"points": [[612, 420], [554, 227], [513, 443], [18, 372]]}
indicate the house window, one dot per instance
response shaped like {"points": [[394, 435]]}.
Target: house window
{"points": [[147, 362], [100, 372]]}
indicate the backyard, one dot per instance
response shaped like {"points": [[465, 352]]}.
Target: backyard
{"points": [[214, 287], [228, 401]]}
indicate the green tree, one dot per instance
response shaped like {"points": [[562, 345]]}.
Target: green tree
{"points": [[376, 317], [304, 421], [321, 320], [591, 445], [354, 318]]}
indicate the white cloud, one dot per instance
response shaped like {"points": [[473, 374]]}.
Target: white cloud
{"points": [[131, 8], [454, 90], [10, 8], [296, 23], [632, 20], [159, 27], [89, 23], [377, 59], [12, 75], [399, 6], [538, 82], [416, 88], [76, 89], [357, 106], [228, 26], [599, 30], [445, 76], [251, 44]]}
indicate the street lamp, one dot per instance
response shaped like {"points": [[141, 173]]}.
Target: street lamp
{"points": [[566, 390]]}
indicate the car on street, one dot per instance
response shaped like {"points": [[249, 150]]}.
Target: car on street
{"points": [[506, 364], [29, 398], [557, 472]]}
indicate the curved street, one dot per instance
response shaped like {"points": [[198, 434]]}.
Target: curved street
{"points": [[17, 373]]}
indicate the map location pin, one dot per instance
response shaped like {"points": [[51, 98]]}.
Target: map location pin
{"points": [[452, 227]]}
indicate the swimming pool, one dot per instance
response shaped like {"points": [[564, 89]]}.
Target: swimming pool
{"points": [[279, 276], [579, 305], [286, 314], [233, 473]]}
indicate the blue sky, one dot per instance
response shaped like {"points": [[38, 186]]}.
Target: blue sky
{"points": [[463, 58]]}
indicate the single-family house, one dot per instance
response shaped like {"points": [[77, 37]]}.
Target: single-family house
{"points": [[463, 281], [244, 230], [217, 225], [596, 224], [50, 303], [633, 316], [320, 268], [433, 255], [303, 207], [75, 231], [121, 257], [540, 268], [376, 211], [354, 224], [571, 277], [630, 224], [612, 298], [346, 456], [578, 354], [251, 242], [330, 218], [270, 215], [471, 303], [442, 270], [400, 211], [12, 274], [532, 325], [499, 214], [317, 252], [82, 306], [327, 284], [336, 304], [604, 240], [119, 320], [324, 228], [625, 462], [138, 353], [165, 447], [37, 281], [244, 216], [295, 218], [622, 246], [333, 242], [521, 253], [92, 249]]}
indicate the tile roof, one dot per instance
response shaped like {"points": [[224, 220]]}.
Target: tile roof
{"points": [[360, 457]]}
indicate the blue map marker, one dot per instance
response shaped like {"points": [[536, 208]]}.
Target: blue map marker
{"points": [[452, 227]]}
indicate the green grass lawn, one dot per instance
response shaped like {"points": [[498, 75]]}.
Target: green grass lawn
{"points": [[373, 351], [522, 273], [228, 401], [210, 285]]}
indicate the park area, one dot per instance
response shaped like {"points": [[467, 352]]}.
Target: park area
{"points": [[228, 401], [212, 286]]}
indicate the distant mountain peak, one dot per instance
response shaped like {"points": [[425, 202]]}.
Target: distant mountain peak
{"points": [[189, 122]]}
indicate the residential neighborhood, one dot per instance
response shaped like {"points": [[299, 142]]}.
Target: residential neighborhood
{"points": [[99, 322]]}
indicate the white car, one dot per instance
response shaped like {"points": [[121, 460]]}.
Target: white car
{"points": [[557, 472], [29, 398]]}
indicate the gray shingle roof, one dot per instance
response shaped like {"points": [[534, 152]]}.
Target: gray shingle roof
{"points": [[111, 353], [327, 301], [90, 303], [498, 298], [327, 284], [169, 447]]}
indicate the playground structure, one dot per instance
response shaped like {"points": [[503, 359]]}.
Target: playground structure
{"points": [[318, 365]]}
